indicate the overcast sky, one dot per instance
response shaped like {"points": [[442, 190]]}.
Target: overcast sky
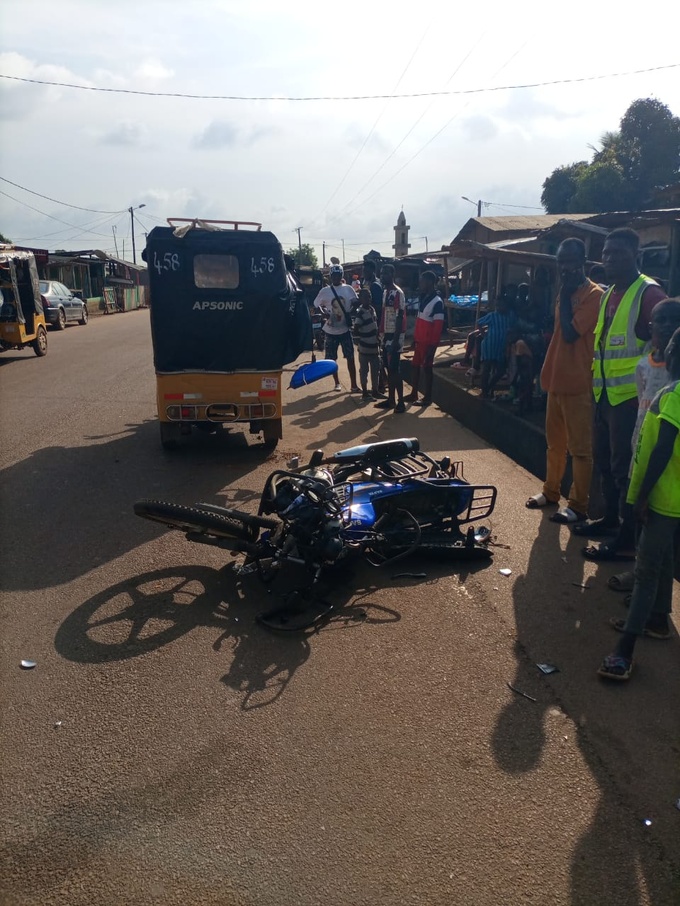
{"points": [[339, 169]]}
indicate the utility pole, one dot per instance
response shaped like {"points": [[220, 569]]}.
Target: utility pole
{"points": [[132, 224], [343, 250], [479, 204], [323, 253], [427, 248], [298, 230], [115, 241]]}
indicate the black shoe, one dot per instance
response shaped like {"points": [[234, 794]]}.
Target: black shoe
{"points": [[378, 395], [386, 404], [366, 395], [400, 407]]}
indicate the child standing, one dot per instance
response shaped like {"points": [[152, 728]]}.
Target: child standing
{"points": [[366, 333], [650, 376], [494, 344], [654, 492]]}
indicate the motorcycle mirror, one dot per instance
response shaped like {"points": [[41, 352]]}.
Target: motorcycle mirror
{"points": [[445, 464], [316, 459]]}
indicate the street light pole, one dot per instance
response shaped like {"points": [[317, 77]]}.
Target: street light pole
{"points": [[298, 230], [132, 224], [478, 203]]}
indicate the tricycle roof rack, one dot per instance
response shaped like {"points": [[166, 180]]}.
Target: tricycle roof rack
{"points": [[200, 223]]}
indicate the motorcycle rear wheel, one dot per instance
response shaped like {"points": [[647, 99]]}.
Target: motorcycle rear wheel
{"points": [[230, 524]]}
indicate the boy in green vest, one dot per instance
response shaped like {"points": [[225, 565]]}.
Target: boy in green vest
{"points": [[655, 494]]}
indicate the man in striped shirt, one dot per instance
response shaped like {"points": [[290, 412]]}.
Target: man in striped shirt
{"points": [[429, 326], [494, 345]]}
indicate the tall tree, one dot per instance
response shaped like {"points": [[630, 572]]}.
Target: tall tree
{"points": [[627, 168], [4, 239], [601, 187], [306, 255], [560, 187]]}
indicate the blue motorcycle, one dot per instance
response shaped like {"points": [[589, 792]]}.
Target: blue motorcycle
{"points": [[384, 501]]}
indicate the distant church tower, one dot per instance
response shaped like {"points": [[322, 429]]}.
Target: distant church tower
{"points": [[401, 243]]}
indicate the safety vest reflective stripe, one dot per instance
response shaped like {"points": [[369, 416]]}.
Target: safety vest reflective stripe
{"points": [[617, 353]]}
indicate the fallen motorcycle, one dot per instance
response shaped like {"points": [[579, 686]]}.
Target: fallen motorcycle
{"points": [[384, 501]]}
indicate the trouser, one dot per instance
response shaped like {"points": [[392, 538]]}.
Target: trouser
{"points": [[568, 427], [369, 362], [613, 428], [492, 372], [654, 567]]}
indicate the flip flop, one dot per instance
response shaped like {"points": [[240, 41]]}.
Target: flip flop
{"points": [[567, 516], [595, 529], [622, 582], [615, 667], [538, 501], [605, 553], [620, 626]]}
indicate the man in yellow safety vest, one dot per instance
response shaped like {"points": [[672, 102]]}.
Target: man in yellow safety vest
{"points": [[621, 335]]}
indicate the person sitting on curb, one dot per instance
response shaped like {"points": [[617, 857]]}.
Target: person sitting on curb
{"points": [[567, 378], [429, 325], [337, 302], [392, 332], [621, 334], [654, 492]]}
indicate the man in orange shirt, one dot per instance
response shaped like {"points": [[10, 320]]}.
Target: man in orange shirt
{"points": [[567, 378]]}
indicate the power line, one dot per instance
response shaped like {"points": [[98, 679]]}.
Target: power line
{"points": [[397, 147], [47, 198], [351, 97], [443, 128], [71, 226], [373, 127]]}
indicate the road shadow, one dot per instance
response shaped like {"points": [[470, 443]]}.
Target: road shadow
{"points": [[144, 613], [620, 730], [54, 529]]}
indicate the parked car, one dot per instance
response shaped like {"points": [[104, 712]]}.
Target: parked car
{"points": [[61, 305]]}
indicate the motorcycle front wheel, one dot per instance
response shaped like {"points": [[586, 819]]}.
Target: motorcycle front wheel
{"points": [[226, 524]]}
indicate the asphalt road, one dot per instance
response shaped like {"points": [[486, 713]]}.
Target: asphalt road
{"points": [[167, 750]]}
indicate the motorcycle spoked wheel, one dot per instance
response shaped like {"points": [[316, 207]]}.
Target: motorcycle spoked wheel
{"points": [[229, 524], [395, 538]]}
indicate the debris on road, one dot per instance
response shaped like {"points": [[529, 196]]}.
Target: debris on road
{"points": [[57, 724], [409, 576], [523, 694], [28, 665], [505, 572], [580, 585], [647, 822], [548, 668]]}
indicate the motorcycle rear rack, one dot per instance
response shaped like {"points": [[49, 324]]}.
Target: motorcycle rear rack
{"points": [[481, 504]]}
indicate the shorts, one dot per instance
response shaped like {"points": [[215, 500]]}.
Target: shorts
{"points": [[344, 340], [424, 355]]}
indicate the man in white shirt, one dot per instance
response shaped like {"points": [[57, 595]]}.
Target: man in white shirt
{"points": [[336, 302]]}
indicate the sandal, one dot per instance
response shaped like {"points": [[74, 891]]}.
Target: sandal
{"points": [[615, 667], [621, 582], [538, 501], [649, 632], [595, 528], [567, 516], [606, 553]]}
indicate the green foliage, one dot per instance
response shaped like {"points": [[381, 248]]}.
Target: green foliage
{"points": [[560, 187], [601, 187], [306, 255], [629, 165], [4, 239]]}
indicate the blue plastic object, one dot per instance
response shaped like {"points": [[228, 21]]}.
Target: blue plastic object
{"points": [[313, 371]]}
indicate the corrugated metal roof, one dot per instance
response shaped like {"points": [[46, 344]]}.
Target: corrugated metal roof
{"points": [[524, 222]]}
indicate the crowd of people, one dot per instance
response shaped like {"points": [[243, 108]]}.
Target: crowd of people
{"points": [[374, 320], [610, 372], [612, 379]]}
